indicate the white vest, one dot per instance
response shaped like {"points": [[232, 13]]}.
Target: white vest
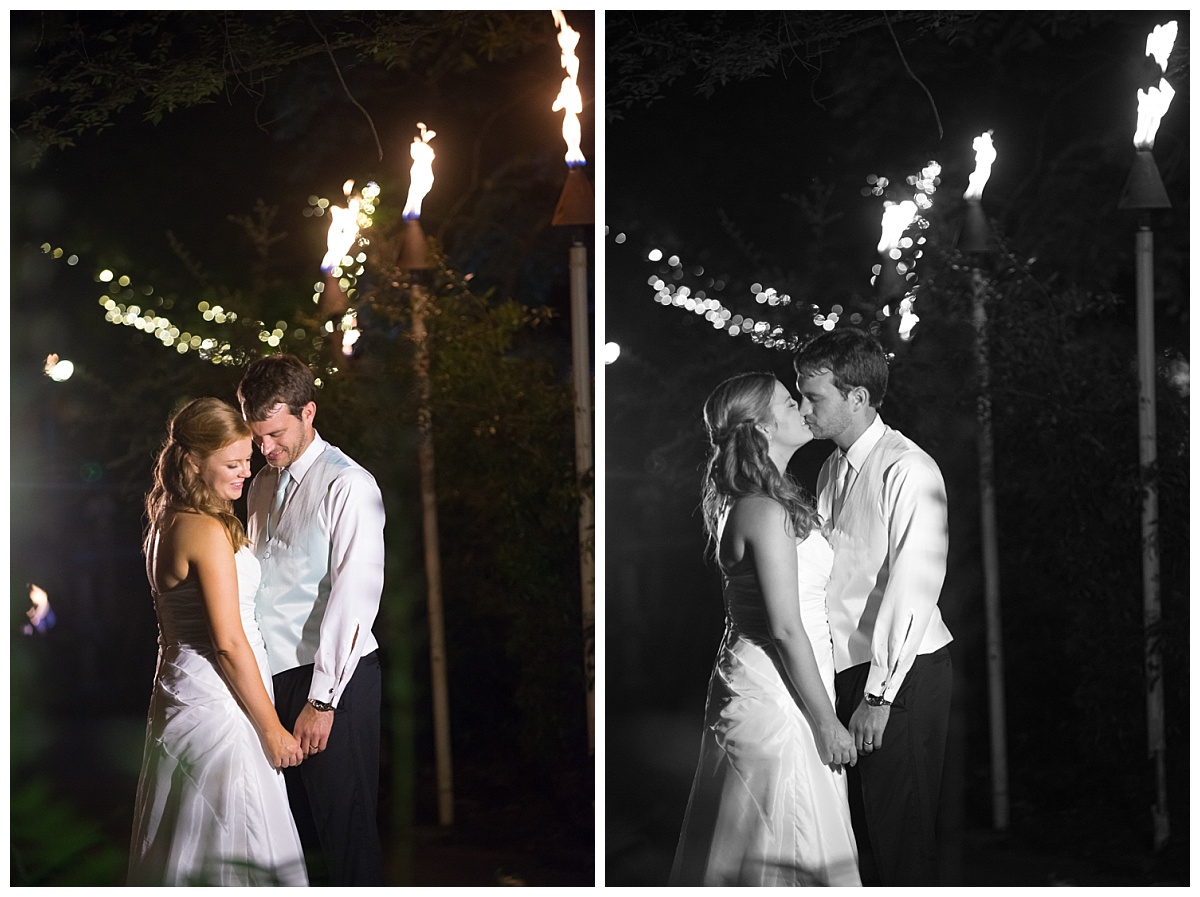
{"points": [[862, 567], [294, 590]]}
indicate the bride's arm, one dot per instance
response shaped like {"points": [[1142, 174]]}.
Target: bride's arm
{"points": [[210, 556], [766, 532]]}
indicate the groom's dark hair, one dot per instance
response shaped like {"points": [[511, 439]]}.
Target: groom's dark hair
{"points": [[854, 357], [274, 379]]}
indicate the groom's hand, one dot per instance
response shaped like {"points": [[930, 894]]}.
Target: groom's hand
{"points": [[312, 729], [866, 726]]}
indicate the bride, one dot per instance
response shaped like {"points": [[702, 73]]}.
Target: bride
{"points": [[768, 804], [212, 807]]}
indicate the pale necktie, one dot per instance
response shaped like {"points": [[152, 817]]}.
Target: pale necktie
{"points": [[277, 503], [841, 483]]}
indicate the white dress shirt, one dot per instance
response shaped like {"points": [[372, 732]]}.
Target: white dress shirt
{"points": [[322, 566], [890, 541]]}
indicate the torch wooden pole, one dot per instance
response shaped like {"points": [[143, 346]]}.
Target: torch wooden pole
{"points": [[433, 569], [1148, 456], [584, 470], [991, 560]]}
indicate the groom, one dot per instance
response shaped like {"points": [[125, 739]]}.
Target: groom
{"points": [[315, 520], [884, 503]]}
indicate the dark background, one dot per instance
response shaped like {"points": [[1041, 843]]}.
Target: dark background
{"points": [[742, 144], [148, 143]]}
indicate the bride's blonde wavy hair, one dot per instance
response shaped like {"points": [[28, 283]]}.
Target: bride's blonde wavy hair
{"points": [[738, 463], [201, 428]]}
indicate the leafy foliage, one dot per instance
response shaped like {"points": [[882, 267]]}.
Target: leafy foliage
{"points": [[508, 502], [649, 53], [91, 67]]}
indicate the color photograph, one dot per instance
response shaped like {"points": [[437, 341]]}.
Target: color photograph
{"points": [[302, 554]]}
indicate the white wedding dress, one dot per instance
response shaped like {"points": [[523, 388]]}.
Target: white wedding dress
{"points": [[210, 809], [764, 810]]}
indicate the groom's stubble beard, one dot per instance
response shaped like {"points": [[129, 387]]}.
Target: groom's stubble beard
{"points": [[290, 453]]}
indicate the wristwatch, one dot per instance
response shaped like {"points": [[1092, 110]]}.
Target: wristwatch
{"points": [[876, 701], [320, 705]]}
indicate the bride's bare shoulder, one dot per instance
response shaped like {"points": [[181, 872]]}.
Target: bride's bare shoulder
{"points": [[751, 513]]}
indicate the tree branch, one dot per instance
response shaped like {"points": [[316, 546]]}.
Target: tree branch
{"points": [[337, 69], [936, 117]]}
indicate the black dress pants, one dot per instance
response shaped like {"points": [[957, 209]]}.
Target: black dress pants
{"points": [[894, 790], [335, 794]]}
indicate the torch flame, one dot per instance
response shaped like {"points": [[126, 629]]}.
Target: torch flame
{"points": [[897, 216], [1160, 42], [421, 175], [1153, 103], [1152, 106], [343, 231], [985, 155], [569, 99]]}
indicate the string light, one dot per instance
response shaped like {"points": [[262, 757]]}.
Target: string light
{"points": [[139, 307], [668, 291], [904, 252]]}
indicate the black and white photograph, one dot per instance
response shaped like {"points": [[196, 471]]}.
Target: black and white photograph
{"points": [[911, 291]]}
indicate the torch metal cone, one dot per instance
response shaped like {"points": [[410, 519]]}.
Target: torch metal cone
{"points": [[975, 235], [414, 249], [333, 301], [1144, 187], [890, 284], [575, 204]]}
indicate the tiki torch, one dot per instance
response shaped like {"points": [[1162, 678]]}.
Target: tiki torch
{"points": [[891, 274], [1143, 193], [334, 299], [414, 258], [975, 241], [575, 210], [343, 233]]}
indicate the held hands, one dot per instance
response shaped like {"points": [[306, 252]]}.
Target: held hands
{"points": [[867, 725], [283, 748], [835, 745]]}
